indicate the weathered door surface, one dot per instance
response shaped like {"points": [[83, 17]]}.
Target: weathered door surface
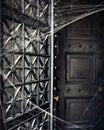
{"points": [[80, 75]]}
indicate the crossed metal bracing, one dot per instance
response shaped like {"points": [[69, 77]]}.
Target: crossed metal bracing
{"points": [[26, 64]]}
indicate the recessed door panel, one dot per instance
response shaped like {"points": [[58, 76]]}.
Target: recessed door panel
{"points": [[80, 67], [74, 110]]}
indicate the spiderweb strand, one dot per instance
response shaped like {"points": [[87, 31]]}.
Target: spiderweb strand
{"points": [[63, 23]]}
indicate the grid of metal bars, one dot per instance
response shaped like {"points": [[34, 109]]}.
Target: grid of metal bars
{"points": [[26, 64]]}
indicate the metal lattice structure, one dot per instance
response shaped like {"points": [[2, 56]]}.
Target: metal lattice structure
{"points": [[25, 64]]}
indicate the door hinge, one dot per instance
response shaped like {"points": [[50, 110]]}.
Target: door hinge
{"points": [[56, 98]]}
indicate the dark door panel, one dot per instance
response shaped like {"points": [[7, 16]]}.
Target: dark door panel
{"points": [[80, 67], [80, 75], [76, 108]]}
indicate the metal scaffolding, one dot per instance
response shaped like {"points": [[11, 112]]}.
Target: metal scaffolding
{"points": [[25, 64]]}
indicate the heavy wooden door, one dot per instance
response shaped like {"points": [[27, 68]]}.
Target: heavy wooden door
{"points": [[80, 75]]}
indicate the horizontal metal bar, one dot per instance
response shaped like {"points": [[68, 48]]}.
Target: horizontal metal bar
{"points": [[26, 68], [28, 53], [30, 82], [17, 15], [23, 118]]}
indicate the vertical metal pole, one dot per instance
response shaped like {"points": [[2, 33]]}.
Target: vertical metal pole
{"points": [[93, 120], [23, 62], [52, 61], [38, 63], [1, 68]]}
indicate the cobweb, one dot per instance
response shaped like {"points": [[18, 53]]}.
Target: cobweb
{"points": [[64, 15]]}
